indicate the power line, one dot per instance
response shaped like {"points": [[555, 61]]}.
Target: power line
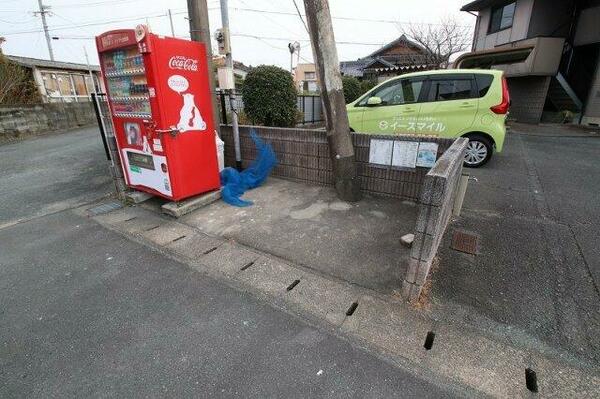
{"points": [[387, 21], [300, 15], [273, 21], [95, 4], [301, 40], [62, 27]]}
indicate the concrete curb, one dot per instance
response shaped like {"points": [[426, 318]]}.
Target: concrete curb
{"points": [[460, 355]]}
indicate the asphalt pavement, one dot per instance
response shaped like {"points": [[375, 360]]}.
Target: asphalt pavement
{"points": [[88, 313], [51, 173], [535, 210]]}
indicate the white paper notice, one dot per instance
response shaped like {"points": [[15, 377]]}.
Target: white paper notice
{"points": [[427, 154], [405, 154], [380, 152]]}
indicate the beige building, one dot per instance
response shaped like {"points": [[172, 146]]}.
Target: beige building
{"points": [[305, 78], [549, 50], [61, 81]]}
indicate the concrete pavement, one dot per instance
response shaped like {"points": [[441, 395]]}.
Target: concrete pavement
{"points": [[535, 210], [86, 312], [90, 311]]}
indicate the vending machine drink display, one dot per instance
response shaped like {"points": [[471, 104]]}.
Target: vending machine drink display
{"points": [[159, 97]]}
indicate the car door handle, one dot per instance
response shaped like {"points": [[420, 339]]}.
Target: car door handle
{"points": [[467, 105]]}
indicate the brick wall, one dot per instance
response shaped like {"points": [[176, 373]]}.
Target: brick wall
{"points": [[42, 118], [528, 95], [436, 202], [303, 155]]}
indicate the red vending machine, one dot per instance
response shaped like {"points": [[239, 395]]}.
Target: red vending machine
{"points": [[159, 97]]}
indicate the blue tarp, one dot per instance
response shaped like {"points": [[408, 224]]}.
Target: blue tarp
{"points": [[235, 183]]}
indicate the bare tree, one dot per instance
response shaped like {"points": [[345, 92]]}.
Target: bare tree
{"points": [[16, 84], [439, 41]]}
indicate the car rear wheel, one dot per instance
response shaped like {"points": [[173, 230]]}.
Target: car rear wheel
{"points": [[479, 151]]}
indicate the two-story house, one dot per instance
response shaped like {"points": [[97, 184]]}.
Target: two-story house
{"points": [[549, 51]]}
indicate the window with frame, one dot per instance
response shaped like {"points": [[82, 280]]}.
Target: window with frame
{"points": [[79, 82], [502, 17], [451, 89], [64, 84], [51, 84], [310, 75], [89, 84], [404, 91]]}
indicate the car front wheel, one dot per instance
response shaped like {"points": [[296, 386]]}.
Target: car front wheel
{"points": [[479, 151]]}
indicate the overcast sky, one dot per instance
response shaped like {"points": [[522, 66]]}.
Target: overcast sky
{"points": [[258, 37]]}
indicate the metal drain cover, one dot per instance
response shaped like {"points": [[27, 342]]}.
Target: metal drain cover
{"points": [[104, 208], [465, 242]]}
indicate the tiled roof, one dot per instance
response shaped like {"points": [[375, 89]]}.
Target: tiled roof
{"points": [[354, 68], [36, 62]]}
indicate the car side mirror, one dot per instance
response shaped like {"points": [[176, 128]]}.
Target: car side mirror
{"points": [[374, 101]]}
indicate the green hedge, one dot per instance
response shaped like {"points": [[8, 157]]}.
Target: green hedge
{"points": [[270, 97], [351, 87]]}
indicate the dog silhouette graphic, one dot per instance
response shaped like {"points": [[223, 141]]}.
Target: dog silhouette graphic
{"points": [[189, 115]]}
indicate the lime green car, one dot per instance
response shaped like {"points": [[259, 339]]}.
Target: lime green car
{"points": [[446, 103]]}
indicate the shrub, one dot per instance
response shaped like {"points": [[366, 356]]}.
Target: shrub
{"points": [[270, 97], [351, 87], [367, 85]]}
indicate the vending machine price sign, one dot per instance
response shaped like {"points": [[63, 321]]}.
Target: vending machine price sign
{"points": [[159, 97]]}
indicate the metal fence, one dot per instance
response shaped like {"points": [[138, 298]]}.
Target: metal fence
{"points": [[308, 105]]}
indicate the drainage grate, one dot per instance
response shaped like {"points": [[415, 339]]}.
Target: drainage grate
{"points": [[247, 265], [352, 309], [210, 250], [293, 285], [531, 381], [465, 242], [429, 340], [104, 208]]}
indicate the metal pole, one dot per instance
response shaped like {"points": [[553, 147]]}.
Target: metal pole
{"points": [[87, 61], [223, 108], [200, 32], [101, 126], [229, 65], [171, 22], [43, 11]]}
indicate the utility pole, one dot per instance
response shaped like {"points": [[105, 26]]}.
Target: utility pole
{"points": [[171, 22], [200, 32], [42, 12], [229, 66], [341, 150]]}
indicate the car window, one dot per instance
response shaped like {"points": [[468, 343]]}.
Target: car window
{"points": [[450, 89], [484, 81], [403, 91]]}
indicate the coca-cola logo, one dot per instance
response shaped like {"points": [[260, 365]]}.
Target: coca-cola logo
{"points": [[183, 63]]}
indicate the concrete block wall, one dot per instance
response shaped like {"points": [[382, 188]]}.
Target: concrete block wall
{"points": [[528, 96], [43, 118], [437, 198], [303, 155]]}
